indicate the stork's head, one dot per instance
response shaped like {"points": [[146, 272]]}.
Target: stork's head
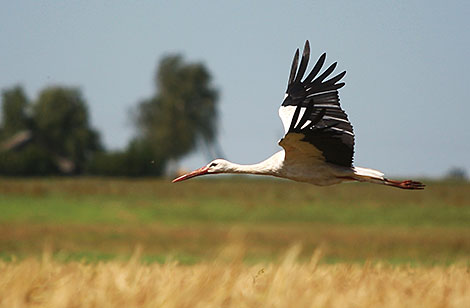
{"points": [[215, 166]]}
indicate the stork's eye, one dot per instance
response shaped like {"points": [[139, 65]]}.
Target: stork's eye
{"points": [[213, 165]]}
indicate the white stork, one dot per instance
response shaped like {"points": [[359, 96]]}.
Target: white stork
{"points": [[319, 139]]}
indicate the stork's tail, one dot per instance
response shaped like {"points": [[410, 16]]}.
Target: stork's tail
{"points": [[374, 176]]}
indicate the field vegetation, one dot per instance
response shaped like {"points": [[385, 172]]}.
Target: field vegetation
{"points": [[228, 282], [231, 242], [102, 218]]}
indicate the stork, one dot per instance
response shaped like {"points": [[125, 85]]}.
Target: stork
{"points": [[318, 144]]}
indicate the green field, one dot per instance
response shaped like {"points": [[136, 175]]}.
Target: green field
{"points": [[101, 218]]}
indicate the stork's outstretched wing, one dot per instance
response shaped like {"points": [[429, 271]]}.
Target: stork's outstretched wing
{"points": [[314, 122]]}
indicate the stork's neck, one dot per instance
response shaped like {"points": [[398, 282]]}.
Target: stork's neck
{"points": [[270, 166]]}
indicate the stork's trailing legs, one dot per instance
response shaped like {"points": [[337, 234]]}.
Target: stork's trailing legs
{"points": [[408, 184], [377, 177]]}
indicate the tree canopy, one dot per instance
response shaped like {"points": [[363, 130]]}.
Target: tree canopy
{"points": [[182, 115], [62, 124], [48, 136], [14, 112]]}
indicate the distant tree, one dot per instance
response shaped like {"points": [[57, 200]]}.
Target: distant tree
{"points": [[182, 115], [15, 117], [62, 125], [456, 174], [50, 136]]}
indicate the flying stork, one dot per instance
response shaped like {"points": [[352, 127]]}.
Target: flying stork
{"points": [[318, 144]]}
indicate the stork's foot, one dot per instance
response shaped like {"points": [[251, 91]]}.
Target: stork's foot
{"points": [[408, 184]]}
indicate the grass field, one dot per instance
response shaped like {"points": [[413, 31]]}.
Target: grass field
{"points": [[96, 219], [231, 242]]}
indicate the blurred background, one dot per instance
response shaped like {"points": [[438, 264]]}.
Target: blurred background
{"points": [[117, 95]]}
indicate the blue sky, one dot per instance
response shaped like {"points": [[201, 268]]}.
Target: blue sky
{"points": [[407, 86]]}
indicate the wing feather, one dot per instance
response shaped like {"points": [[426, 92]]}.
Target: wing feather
{"points": [[325, 74], [316, 69], [303, 62], [314, 121], [293, 69]]}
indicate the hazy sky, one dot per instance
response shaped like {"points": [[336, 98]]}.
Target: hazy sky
{"points": [[407, 86]]}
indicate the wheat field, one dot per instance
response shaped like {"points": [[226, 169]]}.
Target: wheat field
{"points": [[229, 282]]}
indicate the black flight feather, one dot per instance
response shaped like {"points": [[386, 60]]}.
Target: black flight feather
{"points": [[329, 129]]}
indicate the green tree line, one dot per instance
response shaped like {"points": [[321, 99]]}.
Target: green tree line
{"points": [[52, 133]]}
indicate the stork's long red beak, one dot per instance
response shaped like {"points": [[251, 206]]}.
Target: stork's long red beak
{"points": [[197, 172]]}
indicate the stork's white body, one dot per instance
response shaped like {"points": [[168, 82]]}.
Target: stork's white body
{"points": [[318, 144], [295, 169]]}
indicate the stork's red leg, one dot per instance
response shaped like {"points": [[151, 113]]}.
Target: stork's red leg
{"points": [[408, 184]]}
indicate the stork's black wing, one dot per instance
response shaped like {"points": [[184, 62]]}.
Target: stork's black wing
{"points": [[311, 113]]}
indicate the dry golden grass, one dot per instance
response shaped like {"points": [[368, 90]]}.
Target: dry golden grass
{"points": [[228, 282]]}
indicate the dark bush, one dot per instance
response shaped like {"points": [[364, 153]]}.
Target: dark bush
{"points": [[137, 160], [30, 160]]}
